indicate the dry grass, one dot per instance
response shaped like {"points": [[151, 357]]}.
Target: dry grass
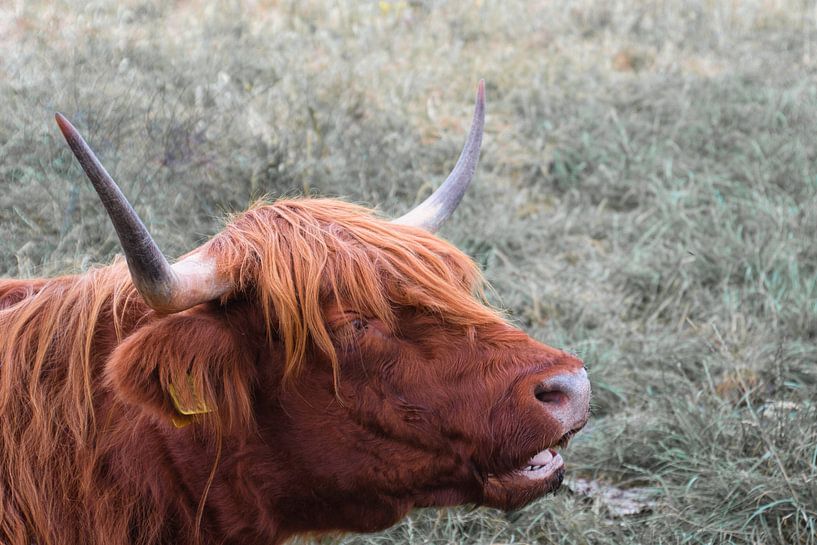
{"points": [[647, 197]]}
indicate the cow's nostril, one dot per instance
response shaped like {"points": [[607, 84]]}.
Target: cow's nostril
{"points": [[549, 395]]}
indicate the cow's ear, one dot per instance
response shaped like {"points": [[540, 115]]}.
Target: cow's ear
{"points": [[186, 368]]}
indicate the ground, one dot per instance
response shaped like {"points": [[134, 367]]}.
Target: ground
{"points": [[647, 198]]}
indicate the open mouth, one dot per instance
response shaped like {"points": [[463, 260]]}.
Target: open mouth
{"points": [[546, 463], [542, 466]]}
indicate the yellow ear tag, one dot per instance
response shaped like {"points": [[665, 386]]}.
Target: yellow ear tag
{"points": [[186, 413]]}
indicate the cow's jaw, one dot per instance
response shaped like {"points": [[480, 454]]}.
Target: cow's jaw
{"points": [[541, 474]]}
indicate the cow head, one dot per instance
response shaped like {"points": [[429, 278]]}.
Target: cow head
{"points": [[359, 351]]}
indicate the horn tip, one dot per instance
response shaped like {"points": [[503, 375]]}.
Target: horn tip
{"points": [[64, 124], [480, 103]]}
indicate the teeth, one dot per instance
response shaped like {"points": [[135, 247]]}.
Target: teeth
{"points": [[542, 466]]}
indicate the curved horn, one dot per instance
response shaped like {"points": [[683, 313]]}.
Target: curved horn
{"points": [[436, 209], [165, 288]]}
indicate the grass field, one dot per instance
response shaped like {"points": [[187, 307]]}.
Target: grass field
{"points": [[647, 197]]}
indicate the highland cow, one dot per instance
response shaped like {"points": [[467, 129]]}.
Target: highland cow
{"points": [[311, 368]]}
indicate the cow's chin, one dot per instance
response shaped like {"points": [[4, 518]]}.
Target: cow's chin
{"points": [[540, 475]]}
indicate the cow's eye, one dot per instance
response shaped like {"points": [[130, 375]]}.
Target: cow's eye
{"points": [[351, 330], [358, 325]]}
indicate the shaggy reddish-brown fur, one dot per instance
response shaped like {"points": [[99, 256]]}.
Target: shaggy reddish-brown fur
{"points": [[353, 373]]}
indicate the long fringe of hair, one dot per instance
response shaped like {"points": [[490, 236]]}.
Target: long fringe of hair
{"points": [[299, 254]]}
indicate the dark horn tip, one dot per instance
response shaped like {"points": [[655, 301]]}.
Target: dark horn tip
{"points": [[65, 126]]}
